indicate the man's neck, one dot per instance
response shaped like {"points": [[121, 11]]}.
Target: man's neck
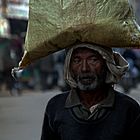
{"points": [[90, 98]]}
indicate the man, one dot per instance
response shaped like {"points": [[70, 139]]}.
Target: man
{"points": [[92, 110]]}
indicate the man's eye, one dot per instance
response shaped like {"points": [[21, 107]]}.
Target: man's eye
{"points": [[76, 61], [93, 60]]}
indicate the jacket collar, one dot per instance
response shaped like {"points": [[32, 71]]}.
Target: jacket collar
{"points": [[74, 100]]}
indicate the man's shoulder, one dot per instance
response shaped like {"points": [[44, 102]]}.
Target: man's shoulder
{"points": [[58, 100], [126, 99]]}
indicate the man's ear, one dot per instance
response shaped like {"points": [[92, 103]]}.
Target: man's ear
{"points": [[135, 5]]}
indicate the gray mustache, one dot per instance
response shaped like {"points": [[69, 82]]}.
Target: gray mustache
{"points": [[87, 76]]}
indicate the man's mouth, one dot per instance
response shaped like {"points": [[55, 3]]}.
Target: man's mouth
{"points": [[86, 80]]}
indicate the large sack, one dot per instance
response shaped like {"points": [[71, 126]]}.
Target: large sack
{"points": [[57, 24]]}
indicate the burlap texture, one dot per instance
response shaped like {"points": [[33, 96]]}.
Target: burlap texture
{"points": [[57, 24]]}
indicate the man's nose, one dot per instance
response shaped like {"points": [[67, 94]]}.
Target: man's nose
{"points": [[85, 66]]}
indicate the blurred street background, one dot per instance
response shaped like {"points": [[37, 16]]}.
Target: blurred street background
{"points": [[23, 101]]}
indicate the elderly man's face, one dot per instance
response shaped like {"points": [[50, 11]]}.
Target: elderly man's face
{"points": [[88, 68]]}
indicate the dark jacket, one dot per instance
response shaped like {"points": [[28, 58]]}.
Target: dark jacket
{"points": [[61, 123]]}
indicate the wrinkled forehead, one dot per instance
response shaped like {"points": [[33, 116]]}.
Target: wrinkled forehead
{"points": [[94, 49], [105, 53], [80, 51]]}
